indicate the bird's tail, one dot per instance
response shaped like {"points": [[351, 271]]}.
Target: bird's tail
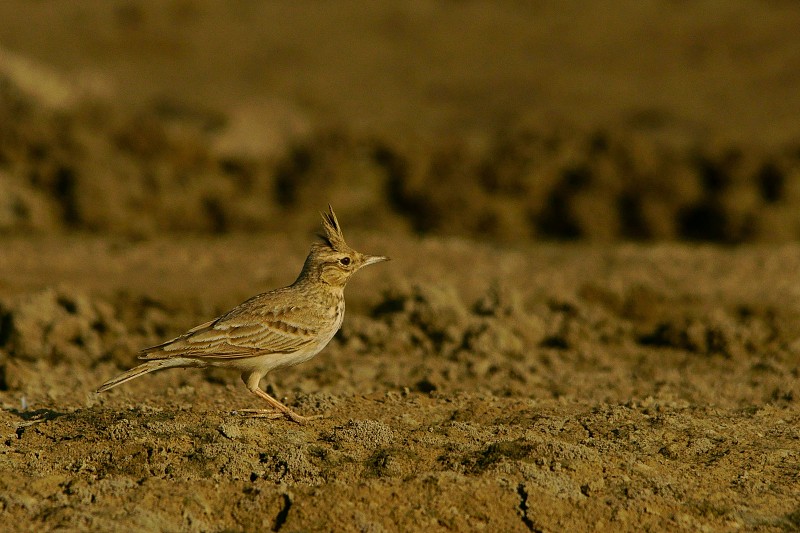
{"points": [[135, 372]]}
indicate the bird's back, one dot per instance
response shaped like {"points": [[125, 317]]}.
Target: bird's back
{"points": [[282, 321]]}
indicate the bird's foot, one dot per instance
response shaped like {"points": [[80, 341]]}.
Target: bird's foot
{"points": [[258, 413], [300, 419], [273, 414]]}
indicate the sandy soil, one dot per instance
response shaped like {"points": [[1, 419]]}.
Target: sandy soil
{"points": [[591, 321], [624, 388]]}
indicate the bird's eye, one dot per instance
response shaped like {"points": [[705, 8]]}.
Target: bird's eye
{"points": [[345, 261]]}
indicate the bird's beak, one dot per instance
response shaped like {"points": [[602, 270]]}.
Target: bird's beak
{"points": [[372, 259]]}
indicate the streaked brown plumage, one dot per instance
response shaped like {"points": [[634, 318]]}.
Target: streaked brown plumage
{"points": [[276, 329]]}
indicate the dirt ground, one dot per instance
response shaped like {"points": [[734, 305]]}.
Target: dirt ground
{"points": [[591, 319]]}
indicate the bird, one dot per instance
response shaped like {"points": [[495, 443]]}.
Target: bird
{"points": [[276, 329]]}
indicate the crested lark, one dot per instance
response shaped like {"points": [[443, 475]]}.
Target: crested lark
{"points": [[276, 329]]}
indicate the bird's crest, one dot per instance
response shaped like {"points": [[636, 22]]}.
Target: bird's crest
{"points": [[333, 233]]}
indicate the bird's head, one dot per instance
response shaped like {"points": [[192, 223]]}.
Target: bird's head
{"points": [[331, 260]]}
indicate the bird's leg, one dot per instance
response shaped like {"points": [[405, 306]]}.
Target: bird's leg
{"points": [[252, 381], [288, 413]]}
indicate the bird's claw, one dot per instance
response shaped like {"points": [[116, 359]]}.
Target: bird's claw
{"points": [[274, 414]]}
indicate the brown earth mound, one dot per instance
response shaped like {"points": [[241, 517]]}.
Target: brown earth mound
{"points": [[92, 168], [108, 171]]}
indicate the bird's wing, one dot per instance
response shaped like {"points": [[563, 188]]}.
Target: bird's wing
{"points": [[241, 333]]}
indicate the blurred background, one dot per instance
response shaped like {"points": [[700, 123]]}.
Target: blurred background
{"points": [[507, 121]]}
